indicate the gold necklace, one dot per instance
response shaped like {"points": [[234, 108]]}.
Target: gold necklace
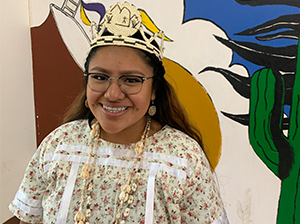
{"points": [[86, 173], [127, 190]]}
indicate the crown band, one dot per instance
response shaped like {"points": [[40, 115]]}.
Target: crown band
{"points": [[124, 20]]}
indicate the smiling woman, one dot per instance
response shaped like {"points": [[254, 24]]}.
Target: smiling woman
{"points": [[127, 152], [121, 115]]}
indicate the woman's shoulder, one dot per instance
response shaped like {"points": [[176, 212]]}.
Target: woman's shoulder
{"points": [[168, 133], [171, 141], [72, 127], [176, 144], [68, 132]]}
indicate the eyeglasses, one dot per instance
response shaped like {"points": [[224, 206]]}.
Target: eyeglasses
{"points": [[128, 84]]}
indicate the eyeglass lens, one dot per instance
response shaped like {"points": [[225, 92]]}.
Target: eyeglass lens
{"points": [[128, 84]]}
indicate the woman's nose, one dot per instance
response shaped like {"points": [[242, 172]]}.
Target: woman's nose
{"points": [[113, 92]]}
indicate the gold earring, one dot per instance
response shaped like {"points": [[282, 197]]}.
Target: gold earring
{"points": [[86, 103], [152, 109]]}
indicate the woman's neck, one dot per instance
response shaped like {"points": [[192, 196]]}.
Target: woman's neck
{"points": [[131, 134]]}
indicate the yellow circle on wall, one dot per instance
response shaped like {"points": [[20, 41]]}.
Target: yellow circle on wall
{"points": [[199, 106]]}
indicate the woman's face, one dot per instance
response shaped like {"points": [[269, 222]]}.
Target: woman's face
{"points": [[122, 117]]}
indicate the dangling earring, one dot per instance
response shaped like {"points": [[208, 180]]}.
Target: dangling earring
{"points": [[86, 103], [152, 109]]}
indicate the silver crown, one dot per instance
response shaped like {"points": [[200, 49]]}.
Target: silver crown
{"points": [[124, 20]]}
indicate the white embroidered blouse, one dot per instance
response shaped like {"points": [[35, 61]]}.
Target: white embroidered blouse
{"points": [[176, 184]]}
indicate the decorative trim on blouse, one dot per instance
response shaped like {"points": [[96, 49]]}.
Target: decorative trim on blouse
{"points": [[30, 206], [153, 167], [112, 151]]}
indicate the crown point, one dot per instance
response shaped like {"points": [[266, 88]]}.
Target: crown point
{"points": [[123, 20]]}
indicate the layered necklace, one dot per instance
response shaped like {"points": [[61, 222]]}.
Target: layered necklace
{"points": [[127, 189]]}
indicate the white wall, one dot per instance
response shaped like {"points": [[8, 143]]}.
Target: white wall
{"points": [[17, 125]]}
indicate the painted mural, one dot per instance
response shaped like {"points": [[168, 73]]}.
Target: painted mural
{"points": [[273, 91], [234, 64]]}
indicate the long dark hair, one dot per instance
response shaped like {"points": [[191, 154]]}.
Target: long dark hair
{"points": [[169, 109]]}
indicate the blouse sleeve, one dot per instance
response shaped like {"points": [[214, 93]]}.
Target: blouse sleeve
{"points": [[201, 200], [27, 204]]}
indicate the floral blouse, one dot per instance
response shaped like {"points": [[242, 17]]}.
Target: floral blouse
{"points": [[176, 184]]}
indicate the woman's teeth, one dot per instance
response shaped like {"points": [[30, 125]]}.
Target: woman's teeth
{"points": [[114, 109]]}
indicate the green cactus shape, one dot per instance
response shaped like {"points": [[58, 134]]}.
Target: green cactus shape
{"points": [[280, 153]]}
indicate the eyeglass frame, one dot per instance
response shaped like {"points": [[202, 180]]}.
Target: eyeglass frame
{"points": [[143, 79]]}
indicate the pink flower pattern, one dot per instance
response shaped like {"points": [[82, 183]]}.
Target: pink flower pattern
{"points": [[194, 199]]}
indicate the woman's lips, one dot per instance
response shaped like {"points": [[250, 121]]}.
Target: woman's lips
{"points": [[114, 109]]}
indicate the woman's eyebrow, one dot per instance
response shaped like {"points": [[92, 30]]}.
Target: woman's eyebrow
{"points": [[100, 69], [130, 72], [126, 72]]}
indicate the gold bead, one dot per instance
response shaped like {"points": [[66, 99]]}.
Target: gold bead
{"points": [[87, 167], [122, 196], [79, 217], [126, 197], [126, 188], [139, 148], [133, 187], [88, 213], [127, 212], [123, 187], [96, 130], [140, 144], [85, 175], [137, 176], [130, 199], [93, 133], [89, 200], [96, 126], [90, 187]]}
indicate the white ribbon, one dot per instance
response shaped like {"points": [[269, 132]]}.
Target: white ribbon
{"points": [[30, 206], [67, 196], [150, 193]]}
